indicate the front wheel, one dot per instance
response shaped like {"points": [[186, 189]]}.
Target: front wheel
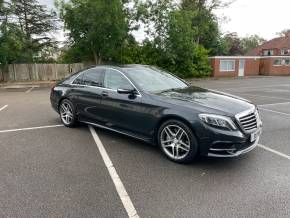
{"points": [[177, 141], [67, 113]]}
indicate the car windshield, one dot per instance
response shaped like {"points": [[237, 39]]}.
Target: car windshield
{"points": [[154, 80]]}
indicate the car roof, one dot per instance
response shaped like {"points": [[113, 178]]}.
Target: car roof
{"points": [[120, 67]]}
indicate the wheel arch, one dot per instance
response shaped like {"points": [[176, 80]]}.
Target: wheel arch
{"points": [[60, 100], [173, 117]]}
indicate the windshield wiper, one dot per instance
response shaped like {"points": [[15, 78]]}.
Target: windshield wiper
{"points": [[169, 90]]}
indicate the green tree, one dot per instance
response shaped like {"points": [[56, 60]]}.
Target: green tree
{"points": [[187, 58], [97, 28], [235, 45], [35, 22], [251, 42], [155, 15], [284, 33], [174, 37], [206, 23], [24, 30], [11, 44]]}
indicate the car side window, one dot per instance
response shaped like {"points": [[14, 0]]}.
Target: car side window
{"points": [[115, 80], [79, 80], [93, 77]]}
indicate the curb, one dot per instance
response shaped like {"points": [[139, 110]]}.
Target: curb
{"points": [[27, 85], [233, 78]]}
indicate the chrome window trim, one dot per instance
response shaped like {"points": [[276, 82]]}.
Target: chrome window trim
{"points": [[139, 94], [98, 87], [72, 83], [81, 73]]}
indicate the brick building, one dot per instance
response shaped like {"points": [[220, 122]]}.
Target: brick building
{"points": [[271, 58]]}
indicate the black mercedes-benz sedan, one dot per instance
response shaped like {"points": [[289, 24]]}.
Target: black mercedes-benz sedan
{"points": [[147, 103]]}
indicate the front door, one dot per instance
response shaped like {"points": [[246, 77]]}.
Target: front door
{"points": [[242, 67], [121, 111]]}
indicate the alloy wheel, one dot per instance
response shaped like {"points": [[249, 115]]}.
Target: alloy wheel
{"points": [[66, 113], [175, 142]]}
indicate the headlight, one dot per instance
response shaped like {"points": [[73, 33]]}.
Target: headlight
{"points": [[218, 121]]}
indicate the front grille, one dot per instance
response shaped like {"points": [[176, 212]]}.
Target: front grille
{"points": [[249, 121]]}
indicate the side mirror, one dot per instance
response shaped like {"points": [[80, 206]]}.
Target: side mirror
{"points": [[127, 91]]}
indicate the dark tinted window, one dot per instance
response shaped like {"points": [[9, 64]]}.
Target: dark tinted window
{"points": [[79, 80], [71, 78], [93, 77], [115, 80]]}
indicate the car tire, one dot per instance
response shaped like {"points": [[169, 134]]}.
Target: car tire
{"points": [[67, 113], [177, 141]]}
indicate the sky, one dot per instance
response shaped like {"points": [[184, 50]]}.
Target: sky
{"points": [[245, 17], [262, 17]]}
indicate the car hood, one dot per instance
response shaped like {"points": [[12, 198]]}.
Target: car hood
{"points": [[199, 99]]}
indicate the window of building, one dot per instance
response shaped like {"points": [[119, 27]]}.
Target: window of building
{"points": [[268, 52], [285, 52], [282, 62], [227, 65], [278, 62]]}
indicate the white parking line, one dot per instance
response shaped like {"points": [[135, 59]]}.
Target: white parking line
{"points": [[30, 90], [127, 203], [263, 96], [277, 112], [30, 128], [274, 151], [2, 108], [274, 104], [255, 87]]}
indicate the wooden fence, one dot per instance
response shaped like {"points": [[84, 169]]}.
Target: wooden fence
{"points": [[37, 72]]}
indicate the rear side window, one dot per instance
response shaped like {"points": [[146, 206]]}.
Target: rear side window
{"points": [[91, 77], [115, 80], [70, 79], [79, 80]]}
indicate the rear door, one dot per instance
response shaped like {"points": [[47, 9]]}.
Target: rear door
{"points": [[89, 93]]}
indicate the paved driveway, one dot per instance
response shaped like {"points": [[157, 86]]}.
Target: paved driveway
{"points": [[47, 170]]}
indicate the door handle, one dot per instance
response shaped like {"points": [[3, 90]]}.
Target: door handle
{"points": [[105, 94]]}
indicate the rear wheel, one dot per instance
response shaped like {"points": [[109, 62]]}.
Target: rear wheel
{"points": [[67, 113], [177, 141]]}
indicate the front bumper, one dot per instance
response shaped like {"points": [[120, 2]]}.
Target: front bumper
{"points": [[232, 152], [219, 143]]}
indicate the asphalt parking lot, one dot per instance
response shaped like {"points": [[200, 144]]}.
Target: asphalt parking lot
{"points": [[47, 170]]}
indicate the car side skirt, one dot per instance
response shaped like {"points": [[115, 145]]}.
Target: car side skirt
{"points": [[148, 140]]}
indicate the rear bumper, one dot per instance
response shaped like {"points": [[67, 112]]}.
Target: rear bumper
{"points": [[53, 102]]}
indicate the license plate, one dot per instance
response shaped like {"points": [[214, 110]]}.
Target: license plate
{"points": [[255, 135]]}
